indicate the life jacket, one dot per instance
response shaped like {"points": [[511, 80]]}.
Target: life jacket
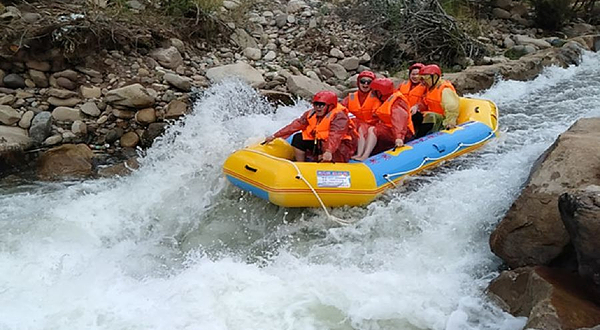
{"points": [[365, 111], [413, 92], [320, 130], [384, 112], [433, 98]]}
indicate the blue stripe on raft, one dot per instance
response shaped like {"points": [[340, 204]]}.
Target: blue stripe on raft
{"points": [[435, 145], [246, 186]]}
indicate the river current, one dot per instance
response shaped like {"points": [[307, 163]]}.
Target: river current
{"points": [[174, 246]]}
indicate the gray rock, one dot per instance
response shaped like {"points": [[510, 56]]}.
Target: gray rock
{"points": [[271, 55], [7, 99], [350, 63], [113, 135], [508, 42], [39, 78], [305, 87], [41, 126], [69, 74], [504, 4], [334, 52], [240, 70], [52, 140], [177, 43], [252, 53], [281, 20], [66, 114], [501, 13], [338, 71], [133, 96], [136, 5], [25, 121], [13, 80], [90, 92], [70, 102], [229, 5], [167, 57], [13, 138], [241, 38], [526, 40], [182, 83], [61, 93], [79, 128], [8, 115], [31, 17], [123, 114], [66, 83], [90, 109], [295, 6]]}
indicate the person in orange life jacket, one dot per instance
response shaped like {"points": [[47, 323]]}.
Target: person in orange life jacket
{"points": [[414, 90], [326, 131], [394, 124], [362, 104], [441, 97]]}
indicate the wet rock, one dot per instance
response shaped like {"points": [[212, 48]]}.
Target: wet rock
{"points": [[167, 57], [179, 82], [532, 232], [176, 109], [13, 138], [145, 116], [13, 80], [130, 140], [65, 162], [133, 96], [113, 135], [8, 115], [549, 298], [240, 70], [276, 97], [305, 87], [580, 213], [66, 114], [154, 130], [25, 121], [41, 127], [121, 169]]}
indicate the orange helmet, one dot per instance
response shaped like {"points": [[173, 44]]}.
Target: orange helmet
{"points": [[327, 97], [430, 69], [416, 66], [365, 74], [385, 86]]}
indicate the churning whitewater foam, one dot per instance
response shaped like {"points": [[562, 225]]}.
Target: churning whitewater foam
{"points": [[174, 246]]}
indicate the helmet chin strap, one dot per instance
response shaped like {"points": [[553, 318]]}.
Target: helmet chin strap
{"points": [[437, 79]]}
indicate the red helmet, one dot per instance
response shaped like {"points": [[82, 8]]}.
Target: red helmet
{"points": [[365, 74], [416, 66], [430, 69], [327, 97], [385, 86]]}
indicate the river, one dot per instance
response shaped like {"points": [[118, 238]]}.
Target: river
{"points": [[174, 246]]}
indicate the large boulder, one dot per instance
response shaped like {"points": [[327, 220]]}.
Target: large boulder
{"points": [[305, 87], [132, 96], [241, 70], [532, 232], [12, 138], [551, 299], [66, 161], [580, 212]]}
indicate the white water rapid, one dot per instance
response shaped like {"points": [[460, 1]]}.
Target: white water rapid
{"points": [[174, 246]]}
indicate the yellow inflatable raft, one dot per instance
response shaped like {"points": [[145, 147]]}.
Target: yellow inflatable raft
{"points": [[268, 171]]}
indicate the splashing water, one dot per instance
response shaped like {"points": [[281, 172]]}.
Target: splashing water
{"points": [[174, 246]]}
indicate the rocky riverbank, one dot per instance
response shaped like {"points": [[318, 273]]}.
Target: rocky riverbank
{"points": [[549, 237], [116, 100]]}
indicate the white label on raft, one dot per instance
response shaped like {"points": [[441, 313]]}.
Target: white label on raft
{"points": [[333, 179]]}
